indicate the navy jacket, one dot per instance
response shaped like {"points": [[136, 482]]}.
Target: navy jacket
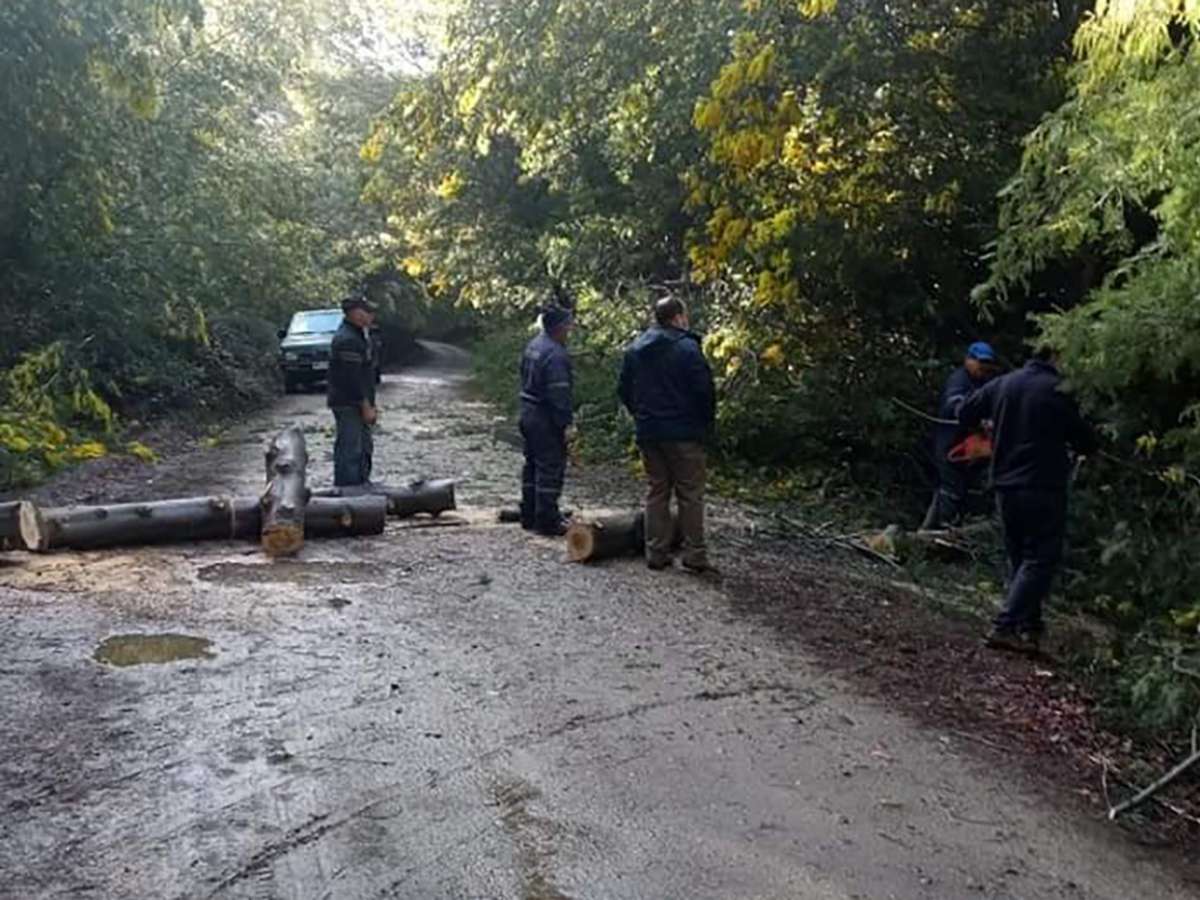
{"points": [[958, 387], [1035, 423], [351, 367], [668, 387], [547, 380]]}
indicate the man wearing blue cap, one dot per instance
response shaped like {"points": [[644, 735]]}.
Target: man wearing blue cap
{"points": [[546, 413], [954, 476]]}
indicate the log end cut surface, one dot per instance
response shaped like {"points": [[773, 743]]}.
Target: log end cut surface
{"points": [[35, 534], [283, 539]]}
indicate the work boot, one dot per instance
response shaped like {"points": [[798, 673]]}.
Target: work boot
{"points": [[554, 529], [705, 570], [1007, 639], [657, 565]]}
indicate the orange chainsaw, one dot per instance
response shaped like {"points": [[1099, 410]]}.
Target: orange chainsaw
{"points": [[973, 448]]}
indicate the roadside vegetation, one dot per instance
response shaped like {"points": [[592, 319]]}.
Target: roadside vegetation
{"points": [[176, 177]]}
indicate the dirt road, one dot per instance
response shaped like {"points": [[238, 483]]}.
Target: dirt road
{"points": [[457, 713]]}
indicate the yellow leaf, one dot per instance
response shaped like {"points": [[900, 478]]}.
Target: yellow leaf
{"points": [[88, 450]]}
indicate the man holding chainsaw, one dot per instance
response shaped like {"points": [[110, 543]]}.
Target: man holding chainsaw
{"points": [[957, 452], [1035, 423]]}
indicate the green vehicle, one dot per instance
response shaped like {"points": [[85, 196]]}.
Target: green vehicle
{"points": [[304, 348]]}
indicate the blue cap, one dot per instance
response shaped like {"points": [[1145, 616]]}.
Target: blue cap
{"points": [[982, 351]]}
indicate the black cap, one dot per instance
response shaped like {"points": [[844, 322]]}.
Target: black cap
{"points": [[357, 301], [554, 317]]}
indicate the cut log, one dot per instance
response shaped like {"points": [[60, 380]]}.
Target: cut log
{"points": [[286, 496], [327, 517], [192, 519], [431, 497], [93, 527], [10, 526], [606, 537]]}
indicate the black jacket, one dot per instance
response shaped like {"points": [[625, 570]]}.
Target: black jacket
{"points": [[547, 380], [958, 387], [1035, 423], [351, 367], [667, 386]]}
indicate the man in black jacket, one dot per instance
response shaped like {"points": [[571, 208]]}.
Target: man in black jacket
{"points": [[955, 477], [1035, 423], [546, 413], [352, 393], [667, 386]]}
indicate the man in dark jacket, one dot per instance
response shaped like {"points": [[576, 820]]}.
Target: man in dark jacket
{"points": [[546, 413], [955, 476], [1035, 424], [667, 386], [352, 393]]}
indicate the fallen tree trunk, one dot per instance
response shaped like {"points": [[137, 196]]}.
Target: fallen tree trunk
{"points": [[431, 497], [10, 526], [286, 496], [93, 527], [191, 519]]}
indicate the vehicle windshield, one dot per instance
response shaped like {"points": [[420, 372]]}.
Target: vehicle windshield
{"points": [[322, 322]]}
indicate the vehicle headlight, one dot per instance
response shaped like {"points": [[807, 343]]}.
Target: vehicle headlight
{"points": [[291, 357]]}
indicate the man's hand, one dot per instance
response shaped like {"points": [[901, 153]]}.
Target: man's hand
{"points": [[369, 413]]}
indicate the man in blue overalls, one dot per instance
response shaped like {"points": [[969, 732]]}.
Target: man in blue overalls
{"points": [[546, 414], [954, 476]]}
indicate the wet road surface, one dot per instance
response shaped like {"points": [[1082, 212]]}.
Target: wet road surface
{"points": [[458, 713]]}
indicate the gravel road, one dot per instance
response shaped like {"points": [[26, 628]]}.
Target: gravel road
{"points": [[456, 712]]}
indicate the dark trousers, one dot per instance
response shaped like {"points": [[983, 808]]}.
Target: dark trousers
{"points": [[353, 447], [950, 499], [676, 468], [544, 471], [1035, 527]]}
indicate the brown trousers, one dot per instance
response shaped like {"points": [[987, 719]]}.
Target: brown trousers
{"points": [[679, 468]]}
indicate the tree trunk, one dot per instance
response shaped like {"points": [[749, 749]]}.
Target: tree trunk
{"points": [[328, 517], [192, 519], [432, 497], [93, 527], [607, 537], [10, 526], [286, 497]]}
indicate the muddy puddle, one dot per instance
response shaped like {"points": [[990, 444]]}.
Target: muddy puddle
{"points": [[124, 650]]}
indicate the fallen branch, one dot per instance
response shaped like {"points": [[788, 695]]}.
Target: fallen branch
{"points": [[1147, 793]]}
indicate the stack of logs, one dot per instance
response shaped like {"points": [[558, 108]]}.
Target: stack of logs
{"points": [[281, 518]]}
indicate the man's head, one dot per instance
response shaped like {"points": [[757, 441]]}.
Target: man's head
{"points": [[557, 322], [1046, 353], [981, 361], [359, 310], [671, 312]]}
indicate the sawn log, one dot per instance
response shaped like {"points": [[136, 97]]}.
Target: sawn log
{"points": [[607, 537], [191, 519], [286, 496], [93, 527], [10, 526], [431, 497]]}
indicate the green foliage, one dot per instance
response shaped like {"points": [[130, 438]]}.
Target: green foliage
{"points": [[1100, 240], [174, 175]]}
